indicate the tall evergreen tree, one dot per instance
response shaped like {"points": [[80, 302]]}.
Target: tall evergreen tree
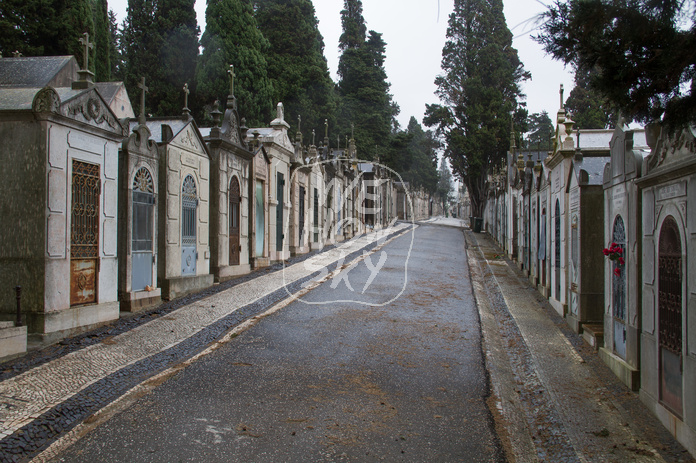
{"points": [[115, 55], [444, 184], [422, 170], [102, 41], [45, 28], [541, 130], [363, 86], [296, 63], [589, 109], [141, 42], [641, 49], [479, 91], [232, 37]]}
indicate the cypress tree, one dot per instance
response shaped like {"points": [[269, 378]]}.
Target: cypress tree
{"points": [[102, 42], [479, 91], [141, 43], [232, 37], [115, 55], [45, 28], [363, 86], [296, 63], [176, 22]]}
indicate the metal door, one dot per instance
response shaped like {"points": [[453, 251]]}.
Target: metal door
{"points": [[280, 184], [235, 202], [189, 206], [302, 216], [143, 230], [670, 316], [557, 245], [618, 289], [260, 219], [84, 233], [316, 216]]}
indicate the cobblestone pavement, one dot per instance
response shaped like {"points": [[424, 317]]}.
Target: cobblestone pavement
{"points": [[556, 400], [38, 405]]}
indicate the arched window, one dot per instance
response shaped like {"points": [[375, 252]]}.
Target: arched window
{"points": [[670, 315]]}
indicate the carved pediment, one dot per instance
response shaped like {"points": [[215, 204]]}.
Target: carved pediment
{"points": [[190, 139], [139, 142], [671, 148], [90, 108], [46, 100]]}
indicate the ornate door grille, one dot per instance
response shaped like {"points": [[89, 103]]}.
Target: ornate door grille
{"points": [[670, 287], [280, 188], [84, 233], [316, 215], [235, 201], [670, 316], [302, 216], [618, 289], [189, 204], [618, 280], [142, 229]]}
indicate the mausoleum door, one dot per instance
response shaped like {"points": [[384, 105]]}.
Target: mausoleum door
{"points": [[670, 316], [574, 264], [557, 249], [189, 205], [260, 219], [84, 233], [618, 289], [235, 202], [143, 230], [280, 184], [339, 206], [302, 216]]}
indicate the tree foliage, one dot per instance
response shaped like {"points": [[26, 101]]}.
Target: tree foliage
{"points": [[160, 42], [365, 100], [642, 51], [478, 92], [444, 184], [541, 131], [102, 41], [46, 27], [232, 37], [588, 108], [296, 63]]}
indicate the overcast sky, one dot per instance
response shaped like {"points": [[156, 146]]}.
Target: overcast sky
{"points": [[414, 31]]}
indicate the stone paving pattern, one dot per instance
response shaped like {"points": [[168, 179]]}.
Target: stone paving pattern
{"points": [[36, 406]]}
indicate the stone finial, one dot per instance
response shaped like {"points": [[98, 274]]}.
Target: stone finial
{"points": [[16, 54], [143, 90], [314, 134], [216, 113], [186, 90], [298, 135], [280, 111], [352, 130], [561, 93]]}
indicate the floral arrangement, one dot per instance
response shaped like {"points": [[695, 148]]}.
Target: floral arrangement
{"points": [[615, 253]]}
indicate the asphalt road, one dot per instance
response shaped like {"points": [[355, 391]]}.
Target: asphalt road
{"points": [[401, 380]]}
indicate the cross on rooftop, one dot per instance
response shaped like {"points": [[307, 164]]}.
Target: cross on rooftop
{"points": [[231, 73], [561, 93], [186, 94], [143, 89], [84, 40]]}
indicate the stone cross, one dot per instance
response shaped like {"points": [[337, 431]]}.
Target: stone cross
{"points": [[143, 89], [88, 46], [561, 93], [186, 94], [230, 72]]}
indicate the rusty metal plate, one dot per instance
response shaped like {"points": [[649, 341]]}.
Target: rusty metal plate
{"points": [[83, 281]]}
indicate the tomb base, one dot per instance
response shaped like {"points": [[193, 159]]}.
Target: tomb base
{"points": [[593, 334], [49, 327], [140, 300], [627, 374], [181, 286], [227, 272], [13, 340]]}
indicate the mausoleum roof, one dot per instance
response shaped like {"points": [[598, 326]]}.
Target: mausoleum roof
{"points": [[17, 98], [594, 166], [35, 71], [155, 126]]}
